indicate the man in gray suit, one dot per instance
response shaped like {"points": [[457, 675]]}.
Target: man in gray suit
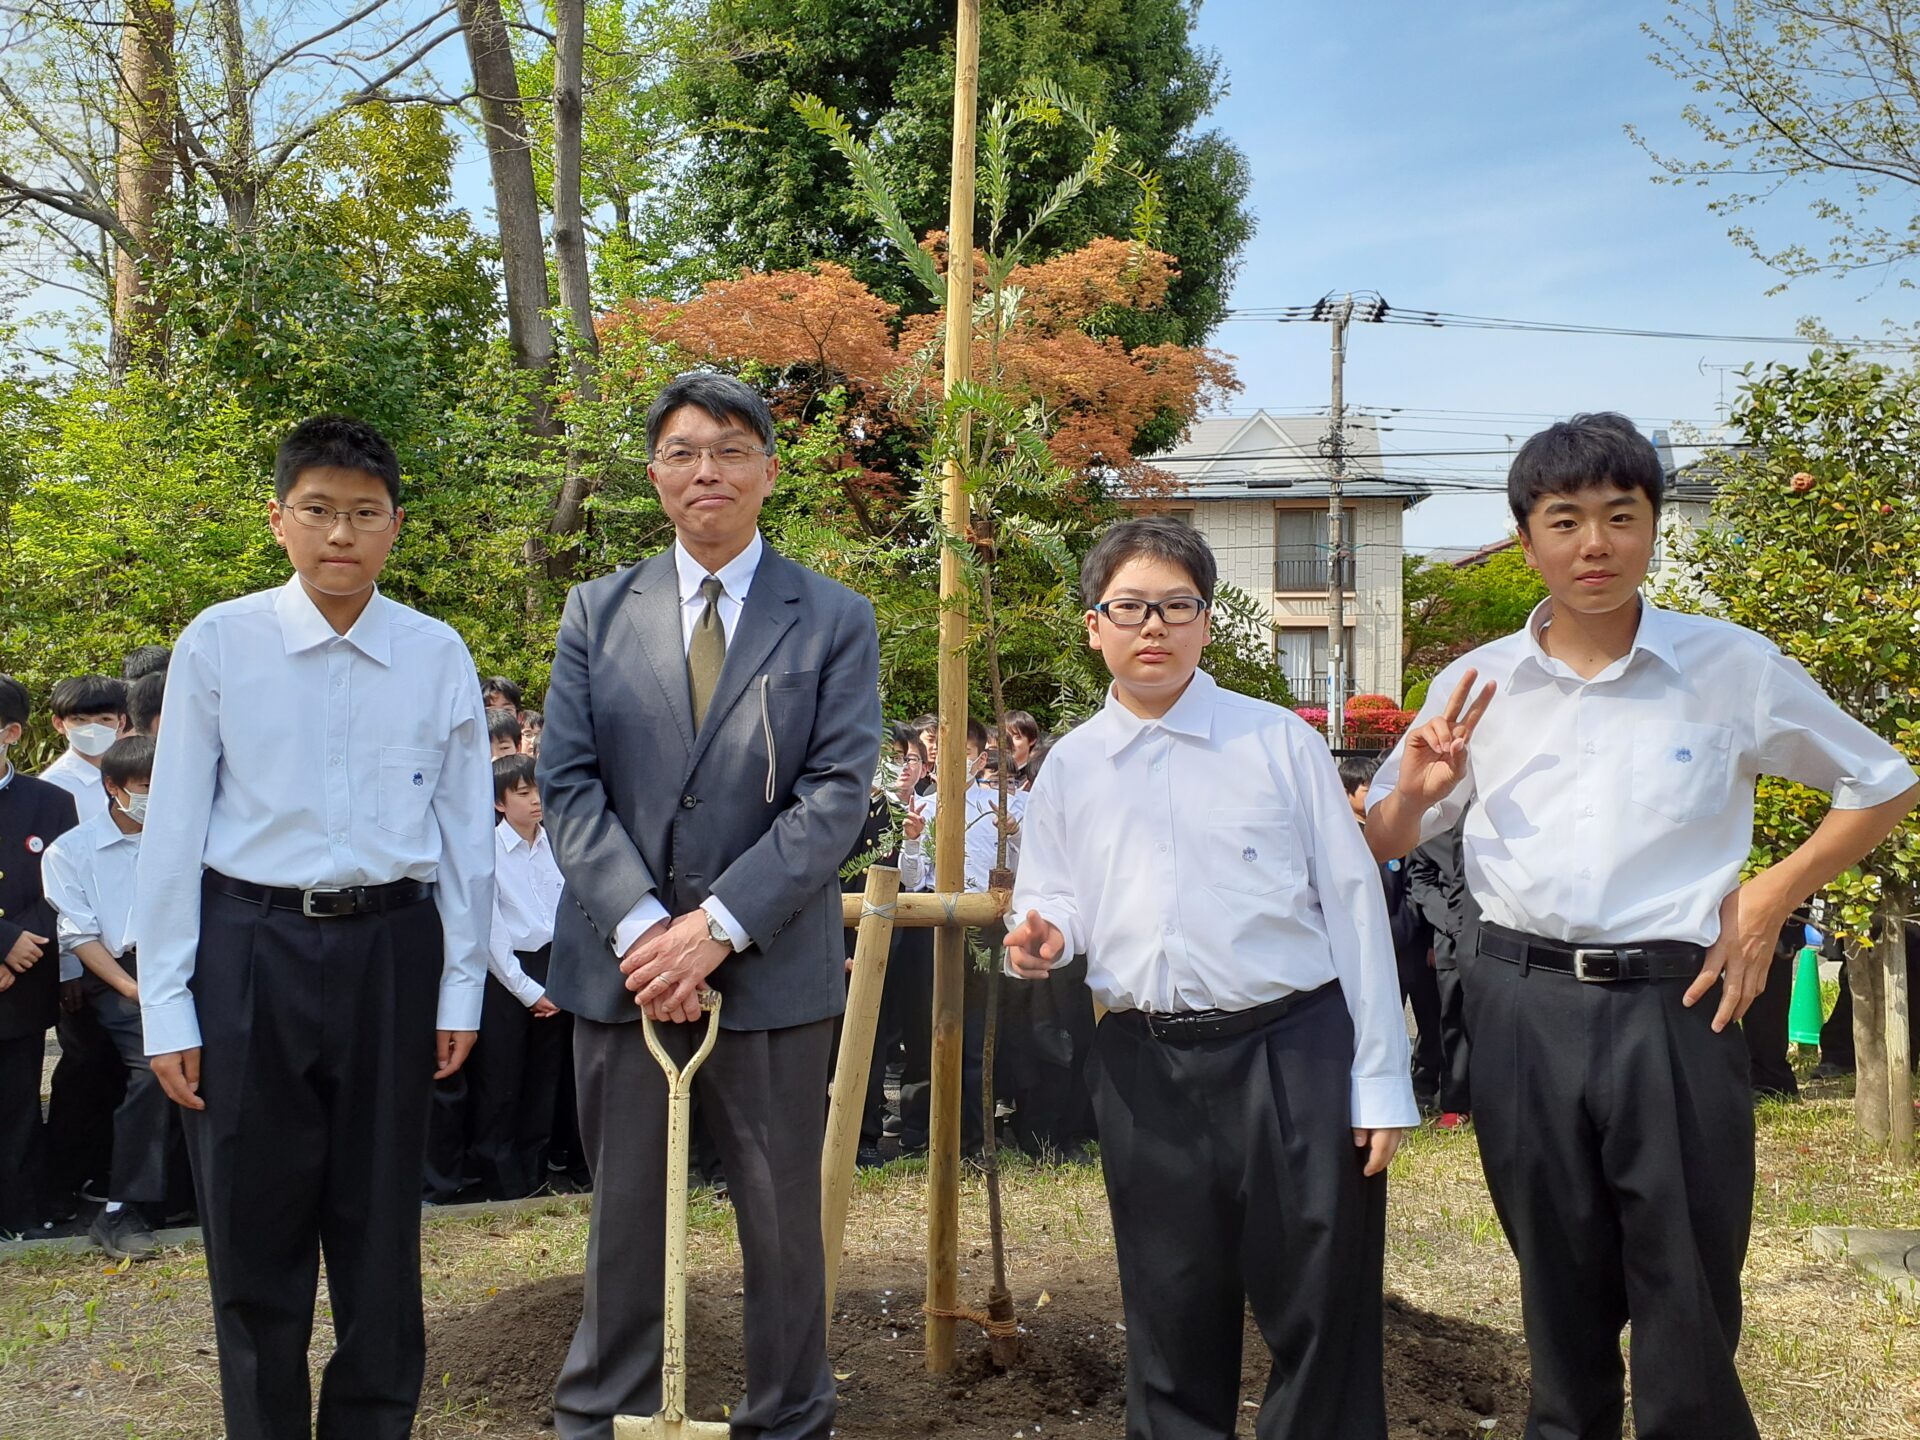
{"points": [[713, 721]]}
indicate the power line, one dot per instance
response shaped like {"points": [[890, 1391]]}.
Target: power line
{"points": [[1453, 320]]}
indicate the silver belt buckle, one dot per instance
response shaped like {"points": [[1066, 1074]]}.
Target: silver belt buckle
{"points": [[1581, 959], [306, 904]]}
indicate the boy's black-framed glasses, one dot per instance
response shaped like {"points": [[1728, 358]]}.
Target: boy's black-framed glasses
{"points": [[370, 518], [732, 455], [1132, 614]]}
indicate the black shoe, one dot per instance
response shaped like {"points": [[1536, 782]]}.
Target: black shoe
{"points": [[868, 1157], [123, 1234], [63, 1207], [1829, 1070]]}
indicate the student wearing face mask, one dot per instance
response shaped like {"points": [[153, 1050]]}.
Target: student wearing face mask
{"points": [[32, 815], [89, 880], [90, 711]]}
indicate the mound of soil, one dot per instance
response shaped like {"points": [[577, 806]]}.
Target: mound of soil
{"points": [[1445, 1377]]}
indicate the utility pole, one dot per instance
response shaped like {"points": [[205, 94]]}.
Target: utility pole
{"points": [[1342, 315]]}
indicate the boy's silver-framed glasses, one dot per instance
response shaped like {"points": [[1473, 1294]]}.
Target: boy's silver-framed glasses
{"points": [[730, 455], [1174, 610], [370, 518]]}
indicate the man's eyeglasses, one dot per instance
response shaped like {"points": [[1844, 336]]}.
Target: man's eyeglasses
{"points": [[730, 456], [370, 518], [1131, 614]]}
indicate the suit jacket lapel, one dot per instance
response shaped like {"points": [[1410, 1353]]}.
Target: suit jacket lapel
{"points": [[654, 609], [772, 607]]}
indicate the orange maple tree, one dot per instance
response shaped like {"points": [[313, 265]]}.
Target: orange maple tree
{"points": [[821, 328]]}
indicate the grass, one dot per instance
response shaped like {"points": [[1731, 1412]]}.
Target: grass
{"points": [[90, 1349]]}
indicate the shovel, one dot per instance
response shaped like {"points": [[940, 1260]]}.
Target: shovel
{"points": [[672, 1422]]}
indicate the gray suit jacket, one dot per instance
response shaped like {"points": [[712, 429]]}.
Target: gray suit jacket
{"points": [[760, 808]]}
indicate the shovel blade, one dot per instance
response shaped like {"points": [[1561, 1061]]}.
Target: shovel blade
{"points": [[659, 1427]]}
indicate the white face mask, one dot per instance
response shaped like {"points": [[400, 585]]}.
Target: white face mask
{"points": [[92, 739], [134, 807]]}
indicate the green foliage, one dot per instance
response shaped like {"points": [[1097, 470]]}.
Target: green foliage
{"points": [[1819, 97], [1816, 545], [762, 190], [1450, 610], [129, 509]]}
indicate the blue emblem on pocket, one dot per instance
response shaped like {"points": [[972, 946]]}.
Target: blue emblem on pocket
{"points": [[1249, 854], [418, 778], [1683, 755]]}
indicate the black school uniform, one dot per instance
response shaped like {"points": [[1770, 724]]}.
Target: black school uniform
{"points": [[33, 814]]}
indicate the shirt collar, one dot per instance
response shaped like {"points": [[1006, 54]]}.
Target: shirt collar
{"points": [[303, 627], [1652, 636], [734, 576], [511, 839], [110, 834], [1191, 714]]}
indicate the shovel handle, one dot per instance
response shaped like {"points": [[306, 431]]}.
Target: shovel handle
{"points": [[678, 1076]]}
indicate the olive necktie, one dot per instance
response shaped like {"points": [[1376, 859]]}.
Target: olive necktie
{"points": [[707, 653]]}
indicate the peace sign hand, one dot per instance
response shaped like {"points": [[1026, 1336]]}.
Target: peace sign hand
{"points": [[915, 825], [1435, 758]]}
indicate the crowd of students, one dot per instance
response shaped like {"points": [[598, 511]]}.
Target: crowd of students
{"points": [[243, 980]]}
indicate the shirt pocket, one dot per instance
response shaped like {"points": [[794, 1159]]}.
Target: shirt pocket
{"points": [[407, 780], [1250, 852], [1682, 770]]}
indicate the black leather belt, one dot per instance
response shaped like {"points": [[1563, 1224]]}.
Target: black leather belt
{"points": [[327, 904], [1600, 964], [1186, 1027]]}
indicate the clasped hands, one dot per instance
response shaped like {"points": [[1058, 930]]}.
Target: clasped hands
{"points": [[667, 967]]}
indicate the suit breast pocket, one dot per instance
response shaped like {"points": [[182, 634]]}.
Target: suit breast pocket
{"points": [[407, 781]]}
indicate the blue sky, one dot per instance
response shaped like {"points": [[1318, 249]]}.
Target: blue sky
{"points": [[1472, 158]]}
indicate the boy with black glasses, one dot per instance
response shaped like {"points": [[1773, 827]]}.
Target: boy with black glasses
{"points": [[1250, 1081]]}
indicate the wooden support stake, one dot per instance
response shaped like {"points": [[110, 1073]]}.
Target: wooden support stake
{"points": [[1866, 973], [849, 1095], [926, 909], [949, 942], [1892, 954]]}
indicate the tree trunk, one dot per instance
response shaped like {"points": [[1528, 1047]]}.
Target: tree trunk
{"points": [[570, 261], [145, 172], [516, 201], [239, 188], [1866, 972], [1894, 1002]]}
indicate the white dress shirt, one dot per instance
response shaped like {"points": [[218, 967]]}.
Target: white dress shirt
{"points": [[88, 877], [72, 773], [982, 832], [294, 756], [1620, 809], [736, 578], [526, 896], [1208, 860]]}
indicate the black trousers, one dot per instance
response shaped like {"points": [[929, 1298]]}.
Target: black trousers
{"points": [[23, 1150], [1233, 1177], [143, 1122], [88, 1080], [916, 1086], [1616, 1132], [1045, 1040], [1456, 1085], [909, 994], [763, 1093], [1765, 1028], [515, 1079], [317, 1048], [1420, 988]]}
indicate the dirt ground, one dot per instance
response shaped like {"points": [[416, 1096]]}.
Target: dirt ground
{"points": [[89, 1349], [1445, 1377]]}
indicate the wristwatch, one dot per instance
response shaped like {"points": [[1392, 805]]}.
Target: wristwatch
{"points": [[717, 931]]}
